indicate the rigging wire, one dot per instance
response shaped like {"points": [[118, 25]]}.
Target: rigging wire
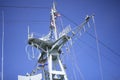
{"points": [[69, 68], [101, 42], [69, 19], [24, 7], [78, 69], [75, 64], [98, 49], [93, 48], [24, 21], [72, 63], [64, 58], [67, 51], [61, 21]]}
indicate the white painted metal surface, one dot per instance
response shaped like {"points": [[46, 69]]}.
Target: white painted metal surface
{"points": [[35, 77]]}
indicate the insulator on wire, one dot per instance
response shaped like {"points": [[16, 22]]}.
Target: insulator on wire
{"points": [[87, 18]]}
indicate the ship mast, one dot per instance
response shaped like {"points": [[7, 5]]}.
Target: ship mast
{"points": [[51, 47], [53, 57]]}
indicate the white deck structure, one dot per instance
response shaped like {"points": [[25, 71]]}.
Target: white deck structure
{"points": [[34, 77]]}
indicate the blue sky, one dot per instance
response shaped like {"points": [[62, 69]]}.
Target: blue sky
{"points": [[36, 13]]}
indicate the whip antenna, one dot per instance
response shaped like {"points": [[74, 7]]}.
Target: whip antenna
{"points": [[28, 32], [2, 46]]}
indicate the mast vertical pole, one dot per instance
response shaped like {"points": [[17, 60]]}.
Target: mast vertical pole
{"points": [[54, 73], [55, 32], [53, 21], [50, 66]]}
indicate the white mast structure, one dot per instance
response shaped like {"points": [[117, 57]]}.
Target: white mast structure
{"points": [[58, 74], [53, 21], [50, 46]]}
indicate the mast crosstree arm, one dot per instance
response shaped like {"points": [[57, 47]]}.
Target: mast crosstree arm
{"points": [[79, 28], [64, 38]]}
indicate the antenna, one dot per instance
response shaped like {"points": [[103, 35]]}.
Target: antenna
{"points": [[53, 21], [54, 7], [28, 32], [2, 46]]}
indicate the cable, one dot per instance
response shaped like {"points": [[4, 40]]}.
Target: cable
{"points": [[24, 21], [69, 19], [103, 44], [61, 21], [76, 66], [74, 62], [93, 48], [24, 7], [98, 49]]}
